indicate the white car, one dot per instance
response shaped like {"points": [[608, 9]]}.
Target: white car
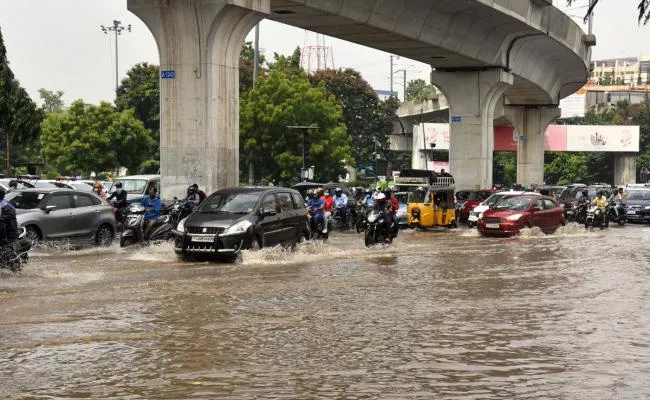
{"points": [[476, 213]]}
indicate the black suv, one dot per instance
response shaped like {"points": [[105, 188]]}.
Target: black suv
{"points": [[234, 219], [638, 205]]}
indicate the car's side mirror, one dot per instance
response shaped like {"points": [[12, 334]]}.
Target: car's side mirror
{"points": [[49, 208], [267, 212]]}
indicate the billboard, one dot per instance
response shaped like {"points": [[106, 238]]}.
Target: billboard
{"points": [[573, 106], [605, 138]]}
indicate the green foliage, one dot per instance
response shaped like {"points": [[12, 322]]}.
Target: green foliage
{"points": [[90, 138], [19, 116], [289, 65], [420, 90], [52, 101], [149, 167], [505, 167], [643, 7], [140, 91], [368, 120], [246, 64], [280, 100]]}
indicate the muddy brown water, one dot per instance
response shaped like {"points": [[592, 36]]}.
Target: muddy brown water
{"points": [[438, 315]]}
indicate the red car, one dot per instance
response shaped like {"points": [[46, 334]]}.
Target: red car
{"points": [[512, 214], [468, 199]]}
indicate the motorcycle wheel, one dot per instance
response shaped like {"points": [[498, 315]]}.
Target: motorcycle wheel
{"points": [[359, 225], [126, 242], [368, 240], [622, 221]]}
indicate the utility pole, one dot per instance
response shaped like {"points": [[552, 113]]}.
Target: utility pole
{"points": [[391, 72], [403, 71], [117, 28]]}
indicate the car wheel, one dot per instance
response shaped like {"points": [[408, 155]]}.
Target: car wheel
{"points": [[255, 244], [104, 236], [33, 234]]}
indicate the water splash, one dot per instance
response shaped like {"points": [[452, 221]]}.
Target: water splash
{"points": [[157, 252]]}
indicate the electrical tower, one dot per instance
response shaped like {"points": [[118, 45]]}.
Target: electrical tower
{"points": [[316, 57]]}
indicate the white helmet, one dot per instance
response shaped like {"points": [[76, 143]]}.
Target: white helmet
{"points": [[380, 196]]}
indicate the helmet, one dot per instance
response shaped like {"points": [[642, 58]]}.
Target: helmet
{"points": [[600, 193], [191, 190], [118, 185], [380, 197], [338, 190]]}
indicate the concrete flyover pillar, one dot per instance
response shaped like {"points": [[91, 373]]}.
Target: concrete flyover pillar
{"points": [[530, 125], [624, 169], [472, 98], [199, 42]]}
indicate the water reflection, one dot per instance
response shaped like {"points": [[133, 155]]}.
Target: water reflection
{"points": [[437, 315]]}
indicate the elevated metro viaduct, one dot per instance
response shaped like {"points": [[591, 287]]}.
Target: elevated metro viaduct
{"points": [[524, 55]]}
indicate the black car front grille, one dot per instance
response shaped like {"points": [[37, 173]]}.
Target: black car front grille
{"points": [[204, 230], [493, 220]]}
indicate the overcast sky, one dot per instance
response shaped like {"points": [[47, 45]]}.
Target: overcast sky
{"points": [[58, 44]]}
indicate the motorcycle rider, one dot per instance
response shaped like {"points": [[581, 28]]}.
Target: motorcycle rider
{"points": [[120, 197], [200, 192], [601, 202], [316, 207], [341, 204], [8, 223], [392, 214], [620, 197], [385, 206], [193, 197], [152, 205], [368, 200], [329, 202]]}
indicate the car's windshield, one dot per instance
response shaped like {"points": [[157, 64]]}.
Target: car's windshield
{"points": [[131, 185], [514, 203], [233, 203], [494, 199], [25, 200], [417, 196], [19, 184], [45, 184], [638, 195]]}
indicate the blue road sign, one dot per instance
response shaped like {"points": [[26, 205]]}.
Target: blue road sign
{"points": [[456, 118], [170, 74]]}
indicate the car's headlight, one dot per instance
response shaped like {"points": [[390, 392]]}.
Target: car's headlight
{"points": [[647, 207], [515, 217], [238, 228], [181, 225]]}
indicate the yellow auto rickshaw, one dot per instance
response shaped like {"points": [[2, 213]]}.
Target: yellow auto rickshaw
{"points": [[431, 206]]}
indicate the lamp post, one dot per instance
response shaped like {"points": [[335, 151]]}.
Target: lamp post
{"points": [[304, 128], [117, 28]]}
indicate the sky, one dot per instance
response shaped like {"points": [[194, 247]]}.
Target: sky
{"points": [[59, 45]]}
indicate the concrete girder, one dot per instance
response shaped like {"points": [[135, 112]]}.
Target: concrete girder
{"points": [[199, 108], [472, 97], [531, 123]]}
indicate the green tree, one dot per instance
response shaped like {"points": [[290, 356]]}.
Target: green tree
{"points": [[368, 122], [643, 7], [86, 138], [246, 65], [52, 101], [505, 167], [140, 91], [289, 65], [419, 90], [280, 100], [19, 116]]}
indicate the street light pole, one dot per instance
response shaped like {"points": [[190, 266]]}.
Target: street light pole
{"points": [[304, 134], [117, 28]]}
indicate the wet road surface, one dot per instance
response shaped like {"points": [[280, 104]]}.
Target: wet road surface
{"points": [[444, 315]]}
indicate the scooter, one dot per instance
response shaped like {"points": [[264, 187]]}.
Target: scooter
{"points": [[616, 213], [13, 255], [596, 218], [376, 230], [133, 232], [318, 231]]}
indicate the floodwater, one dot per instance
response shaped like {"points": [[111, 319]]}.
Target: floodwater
{"points": [[438, 315]]}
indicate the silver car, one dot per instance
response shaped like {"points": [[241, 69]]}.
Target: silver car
{"points": [[63, 215]]}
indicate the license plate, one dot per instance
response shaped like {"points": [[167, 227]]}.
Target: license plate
{"points": [[203, 239], [569, 212], [631, 212], [492, 226]]}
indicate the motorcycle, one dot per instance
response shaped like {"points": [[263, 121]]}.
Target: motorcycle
{"points": [[133, 232], [616, 213], [376, 230], [341, 219], [596, 218], [120, 214], [360, 220], [577, 213], [317, 229], [179, 211], [14, 254]]}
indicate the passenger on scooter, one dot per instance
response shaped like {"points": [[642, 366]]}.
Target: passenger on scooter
{"points": [[193, 198], [329, 202], [341, 204], [316, 207], [152, 205]]}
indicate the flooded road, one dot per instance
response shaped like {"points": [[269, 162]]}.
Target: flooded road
{"points": [[439, 315]]}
